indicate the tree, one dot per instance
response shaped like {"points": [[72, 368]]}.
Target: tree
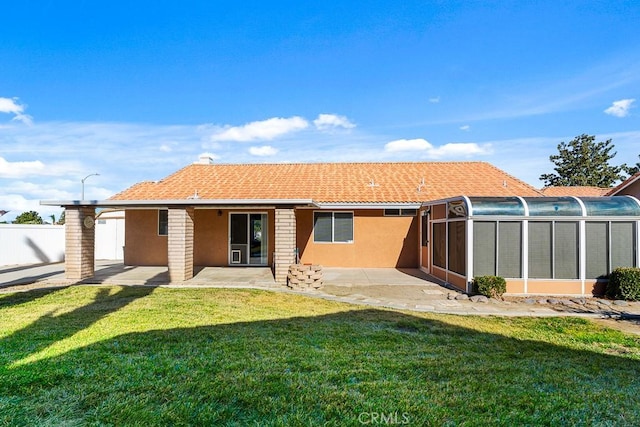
{"points": [[632, 170], [584, 162], [30, 217]]}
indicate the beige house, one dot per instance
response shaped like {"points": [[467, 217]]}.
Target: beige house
{"points": [[335, 214]]}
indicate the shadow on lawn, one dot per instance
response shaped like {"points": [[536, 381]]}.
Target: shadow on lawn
{"points": [[326, 369], [16, 298], [51, 328]]}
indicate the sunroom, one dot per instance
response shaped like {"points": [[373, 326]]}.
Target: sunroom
{"points": [[540, 245]]}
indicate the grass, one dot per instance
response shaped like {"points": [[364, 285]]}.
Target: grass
{"points": [[158, 356]]}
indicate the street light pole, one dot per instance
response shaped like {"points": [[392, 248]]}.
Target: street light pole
{"points": [[84, 179]]}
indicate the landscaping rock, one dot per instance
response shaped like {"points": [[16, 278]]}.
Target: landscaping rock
{"points": [[462, 297], [479, 298], [542, 301], [604, 302], [620, 302], [593, 306], [530, 301], [553, 301], [580, 301]]}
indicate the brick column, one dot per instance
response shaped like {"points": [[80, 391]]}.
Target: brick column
{"points": [[285, 242], [80, 236], [180, 244]]}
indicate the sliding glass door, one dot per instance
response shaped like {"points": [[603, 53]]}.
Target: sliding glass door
{"points": [[248, 243]]}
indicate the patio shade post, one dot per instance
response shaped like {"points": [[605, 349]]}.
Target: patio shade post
{"points": [[180, 243], [285, 242], [79, 242]]}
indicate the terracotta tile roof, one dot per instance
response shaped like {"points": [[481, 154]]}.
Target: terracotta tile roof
{"points": [[585, 191], [333, 182]]}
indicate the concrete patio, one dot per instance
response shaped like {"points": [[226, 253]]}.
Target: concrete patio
{"points": [[118, 273], [406, 289]]}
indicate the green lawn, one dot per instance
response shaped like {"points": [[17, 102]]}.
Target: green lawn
{"points": [[158, 356]]}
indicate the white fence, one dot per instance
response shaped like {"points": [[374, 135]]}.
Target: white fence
{"points": [[31, 244], [36, 244], [110, 236]]}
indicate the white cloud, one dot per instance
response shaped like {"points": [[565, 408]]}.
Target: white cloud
{"points": [[418, 144], [459, 150], [23, 169], [265, 150], [261, 130], [20, 169], [447, 150], [465, 127], [434, 100], [620, 108], [165, 148], [11, 106], [332, 121]]}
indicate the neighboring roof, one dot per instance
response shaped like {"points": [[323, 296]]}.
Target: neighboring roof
{"points": [[585, 191], [624, 184], [332, 182]]}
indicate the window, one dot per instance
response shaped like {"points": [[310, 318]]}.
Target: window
{"points": [[400, 212], [440, 244], [565, 254], [510, 249], [553, 250], [457, 247], [425, 228], [609, 245], [457, 209], [163, 222], [622, 244], [333, 227], [497, 246], [540, 250], [484, 248]]}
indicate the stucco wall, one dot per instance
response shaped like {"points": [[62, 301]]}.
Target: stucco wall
{"points": [[378, 241], [143, 246], [211, 239], [632, 190]]}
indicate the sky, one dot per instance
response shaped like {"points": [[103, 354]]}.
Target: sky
{"points": [[134, 91]]}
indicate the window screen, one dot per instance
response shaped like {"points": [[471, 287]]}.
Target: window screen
{"points": [[333, 227], [457, 247], [342, 227], [540, 250], [439, 245], [163, 222], [566, 250], [425, 229], [510, 249], [597, 244], [622, 244], [484, 248]]}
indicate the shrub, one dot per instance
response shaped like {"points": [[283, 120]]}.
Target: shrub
{"points": [[489, 286], [624, 283]]}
